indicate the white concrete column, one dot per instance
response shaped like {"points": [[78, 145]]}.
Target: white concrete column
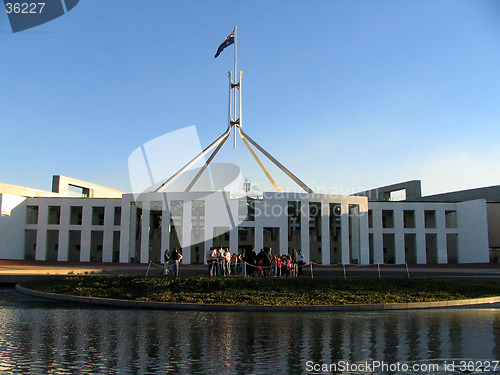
{"points": [[233, 239], [259, 238], [399, 238], [63, 250], [86, 233], [364, 247], [165, 225], [344, 223], [420, 236], [107, 236], [146, 213], [283, 225], [209, 242], [127, 236], [378, 238], [304, 229], [125, 230], [325, 232], [186, 232], [442, 251], [41, 234]]}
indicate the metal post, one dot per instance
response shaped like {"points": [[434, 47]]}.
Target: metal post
{"points": [[345, 275], [312, 276], [268, 175], [235, 77], [240, 117], [278, 164], [192, 162], [378, 266], [407, 270], [149, 266], [229, 101], [202, 169]]}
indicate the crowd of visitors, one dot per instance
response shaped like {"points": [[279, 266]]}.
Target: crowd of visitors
{"points": [[222, 263]]}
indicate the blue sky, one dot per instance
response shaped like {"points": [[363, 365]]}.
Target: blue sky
{"points": [[349, 95]]}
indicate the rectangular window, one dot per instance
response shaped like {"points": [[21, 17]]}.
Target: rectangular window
{"points": [[54, 215], [30, 244], [315, 221], [97, 215], [197, 221], [32, 215], [452, 247], [118, 216], [397, 195], [387, 219], [389, 248], [431, 248], [75, 215], [451, 219], [52, 245], [409, 218], [430, 219], [370, 218]]}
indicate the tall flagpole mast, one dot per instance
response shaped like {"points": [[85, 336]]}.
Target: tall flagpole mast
{"points": [[235, 121], [235, 77]]}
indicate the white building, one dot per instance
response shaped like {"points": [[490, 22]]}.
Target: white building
{"points": [[79, 221]]}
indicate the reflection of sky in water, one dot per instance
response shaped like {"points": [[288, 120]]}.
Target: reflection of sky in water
{"points": [[42, 340]]}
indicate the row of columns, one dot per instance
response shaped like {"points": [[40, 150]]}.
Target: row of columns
{"points": [[359, 234], [85, 228]]}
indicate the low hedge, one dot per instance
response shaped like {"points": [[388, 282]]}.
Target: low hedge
{"points": [[268, 291]]}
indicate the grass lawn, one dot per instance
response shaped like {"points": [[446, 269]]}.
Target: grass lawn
{"points": [[267, 291]]}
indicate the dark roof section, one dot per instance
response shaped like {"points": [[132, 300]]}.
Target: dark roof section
{"points": [[413, 191], [490, 193]]}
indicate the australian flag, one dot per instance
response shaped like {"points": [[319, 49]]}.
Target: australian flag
{"points": [[226, 43]]}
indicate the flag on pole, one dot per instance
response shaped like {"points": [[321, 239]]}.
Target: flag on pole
{"points": [[226, 43]]}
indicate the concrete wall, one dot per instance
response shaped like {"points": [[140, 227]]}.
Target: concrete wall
{"points": [[25, 191], [12, 220], [473, 236], [61, 185]]}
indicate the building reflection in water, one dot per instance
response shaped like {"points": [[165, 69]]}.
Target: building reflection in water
{"points": [[41, 340]]}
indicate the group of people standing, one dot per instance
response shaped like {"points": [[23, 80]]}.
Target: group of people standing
{"points": [[222, 263], [171, 262]]}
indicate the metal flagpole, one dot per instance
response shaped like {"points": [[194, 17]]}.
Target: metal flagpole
{"points": [[234, 121], [235, 77], [229, 119]]}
